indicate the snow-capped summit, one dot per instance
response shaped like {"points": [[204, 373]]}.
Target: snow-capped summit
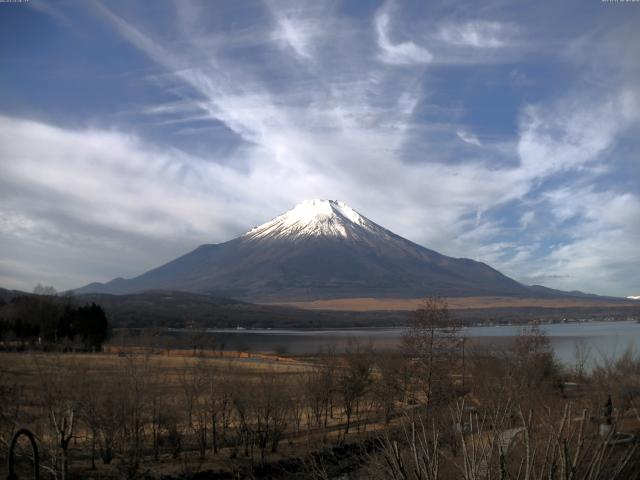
{"points": [[329, 218], [319, 249], [634, 297]]}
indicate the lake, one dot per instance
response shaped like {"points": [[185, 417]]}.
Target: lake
{"points": [[603, 340]]}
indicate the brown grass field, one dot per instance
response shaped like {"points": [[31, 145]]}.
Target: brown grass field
{"points": [[456, 303]]}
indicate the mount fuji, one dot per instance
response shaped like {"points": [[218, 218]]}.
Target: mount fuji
{"points": [[321, 249]]}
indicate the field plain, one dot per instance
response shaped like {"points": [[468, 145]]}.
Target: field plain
{"points": [[456, 303]]}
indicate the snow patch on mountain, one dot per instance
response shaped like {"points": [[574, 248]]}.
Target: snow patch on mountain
{"points": [[634, 297], [330, 218]]}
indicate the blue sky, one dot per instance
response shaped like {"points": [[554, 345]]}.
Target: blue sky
{"points": [[131, 132]]}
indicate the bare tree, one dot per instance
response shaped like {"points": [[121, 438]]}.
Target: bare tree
{"points": [[388, 384], [242, 400], [134, 410], [532, 358], [582, 353], [194, 382], [41, 289], [320, 388], [60, 387], [355, 379], [432, 341], [317, 396], [298, 400], [217, 403], [91, 403], [158, 410], [270, 409]]}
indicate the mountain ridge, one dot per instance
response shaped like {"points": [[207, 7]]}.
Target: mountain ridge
{"points": [[320, 249]]}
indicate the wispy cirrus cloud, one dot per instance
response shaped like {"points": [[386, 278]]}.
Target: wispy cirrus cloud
{"points": [[401, 53], [574, 133], [477, 34], [315, 102], [468, 137], [295, 33]]}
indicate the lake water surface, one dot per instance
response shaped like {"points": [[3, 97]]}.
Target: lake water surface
{"points": [[602, 340]]}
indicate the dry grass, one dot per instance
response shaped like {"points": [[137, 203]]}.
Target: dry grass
{"points": [[457, 303], [167, 375], [23, 368], [248, 380]]}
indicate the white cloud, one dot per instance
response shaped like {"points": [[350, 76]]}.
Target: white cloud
{"points": [[596, 232], [296, 34], [476, 34], [91, 204], [403, 53], [603, 253], [468, 137], [527, 218], [71, 190], [573, 134], [126, 181]]}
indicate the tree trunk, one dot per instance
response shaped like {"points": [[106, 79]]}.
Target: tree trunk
{"points": [[93, 449], [64, 444], [214, 434]]}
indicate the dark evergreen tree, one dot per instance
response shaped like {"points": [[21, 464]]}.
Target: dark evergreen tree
{"points": [[49, 319]]}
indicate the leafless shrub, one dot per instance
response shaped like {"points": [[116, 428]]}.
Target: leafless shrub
{"points": [[60, 385], [493, 446], [11, 396], [419, 461]]}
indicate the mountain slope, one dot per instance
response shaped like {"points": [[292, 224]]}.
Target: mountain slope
{"points": [[319, 249]]}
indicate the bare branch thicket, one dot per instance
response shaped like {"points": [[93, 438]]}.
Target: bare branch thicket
{"points": [[354, 381], [583, 355], [60, 381], [421, 460], [270, 408], [389, 384], [158, 411], [433, 343], [320, 390], [11, 396], [194, 384], [524, 372], [532, 358], [218, 402], [620, 378], [298, 398], [242, 421], [133, 408], [101, 412], [493, 447], [317, 396]]}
